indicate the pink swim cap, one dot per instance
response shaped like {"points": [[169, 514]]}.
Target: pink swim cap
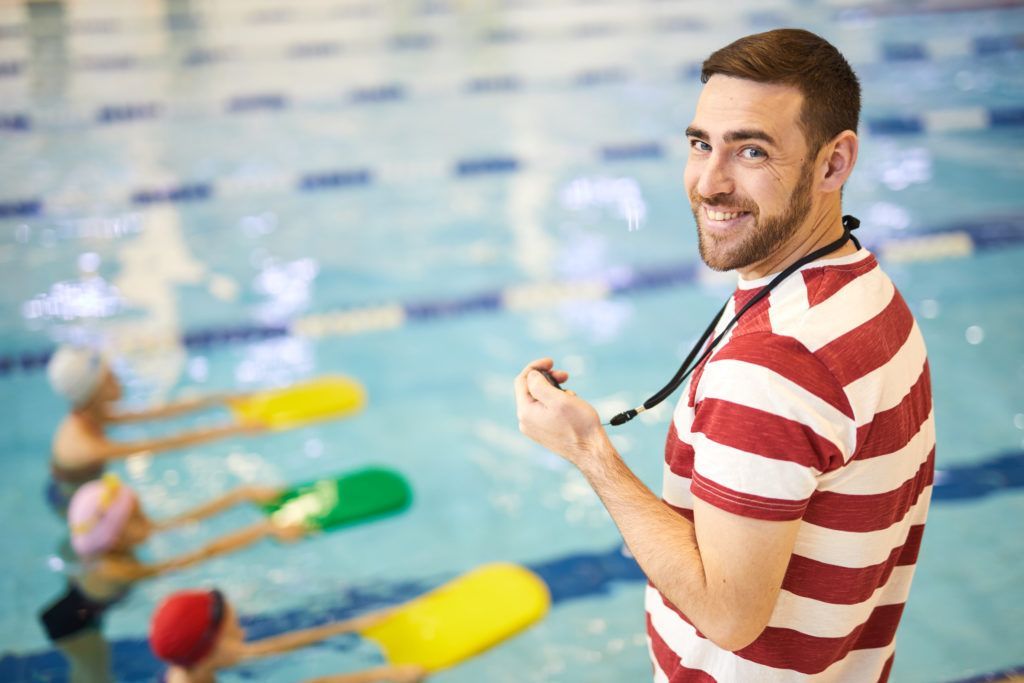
{"points": [[98, 513]]}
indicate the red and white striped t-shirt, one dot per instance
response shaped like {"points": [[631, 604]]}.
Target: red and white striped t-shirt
{"points": [[816, 407]]}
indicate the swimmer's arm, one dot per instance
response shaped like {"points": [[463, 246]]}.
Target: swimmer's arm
{"points": [[242, 494], [393, 674], [179, 407], [227, 543], [298, 639], [116, 450]]}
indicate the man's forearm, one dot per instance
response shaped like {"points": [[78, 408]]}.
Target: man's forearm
{"points": [[663, 542]]}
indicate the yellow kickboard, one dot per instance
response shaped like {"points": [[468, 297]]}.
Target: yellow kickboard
{"points": [[323, 398], [463, 617]]}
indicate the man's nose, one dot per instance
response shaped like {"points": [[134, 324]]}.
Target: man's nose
{"points": [[715, 177]]}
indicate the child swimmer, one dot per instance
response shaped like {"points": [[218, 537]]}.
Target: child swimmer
{"points": [[197, 633], [107, 524], [81, 448]]}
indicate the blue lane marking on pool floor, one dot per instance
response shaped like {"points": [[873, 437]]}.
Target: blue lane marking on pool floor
{"points": [[486, 166], [978, 480], [996, 676], [896, 125], [490, 84], [114, 113], [326, 180], [256, 102], [638, 150], [388, 92], [20, 208], [191, 192]]}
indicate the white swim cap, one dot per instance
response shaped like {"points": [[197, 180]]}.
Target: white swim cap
{"points": [[75, 373]]}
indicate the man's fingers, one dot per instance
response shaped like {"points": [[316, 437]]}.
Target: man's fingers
{"points": [[560, 376], [539, 364], [540, 388], [523, 397], [522, 392]]}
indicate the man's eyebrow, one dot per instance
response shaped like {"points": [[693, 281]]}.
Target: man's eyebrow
{"points": [[733, 135], [749, 134]]}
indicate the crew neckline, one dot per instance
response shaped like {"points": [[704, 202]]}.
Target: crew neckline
{"points": [[826, 261]]}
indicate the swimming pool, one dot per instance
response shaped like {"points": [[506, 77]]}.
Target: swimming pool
{"points": [[426, 196]]}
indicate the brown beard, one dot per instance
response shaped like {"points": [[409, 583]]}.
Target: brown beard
{"points": [[768, 234]]}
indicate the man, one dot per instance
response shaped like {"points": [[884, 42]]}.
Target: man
{"points": [[798, 465]]}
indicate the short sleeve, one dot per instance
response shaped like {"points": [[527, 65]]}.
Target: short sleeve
{"points": [[769, 420]]}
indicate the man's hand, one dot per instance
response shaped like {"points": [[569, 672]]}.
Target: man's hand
{"points": [[558, 420]]}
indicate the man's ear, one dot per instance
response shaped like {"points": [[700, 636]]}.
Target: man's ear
{"points": [[839, 157]]}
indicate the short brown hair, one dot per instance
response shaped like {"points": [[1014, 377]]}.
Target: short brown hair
{"points": [[791, 56]]}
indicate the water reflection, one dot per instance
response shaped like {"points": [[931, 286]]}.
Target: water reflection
{"points": [[622, 195], [89, 297]]}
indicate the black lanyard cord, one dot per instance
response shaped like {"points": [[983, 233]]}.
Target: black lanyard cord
{"points": [[849, 223]]}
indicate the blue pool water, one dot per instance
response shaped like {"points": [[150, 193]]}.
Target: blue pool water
{"points": [[426, 196]]}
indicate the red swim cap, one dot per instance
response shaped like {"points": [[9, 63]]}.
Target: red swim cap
{"points": [[185, 626]]}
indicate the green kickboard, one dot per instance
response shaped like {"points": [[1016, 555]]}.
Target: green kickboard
{"points": [[351, 498]]}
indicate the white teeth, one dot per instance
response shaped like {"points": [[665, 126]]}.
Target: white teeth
{"points": [[719, 216]]}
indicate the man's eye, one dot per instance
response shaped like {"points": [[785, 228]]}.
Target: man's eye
{"points": [[700, 145], [753, 153]]}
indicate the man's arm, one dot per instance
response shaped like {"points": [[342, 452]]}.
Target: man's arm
{"points": [[724, 572]]}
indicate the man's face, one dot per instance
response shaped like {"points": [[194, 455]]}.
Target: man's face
{"points": [[749, 174]]}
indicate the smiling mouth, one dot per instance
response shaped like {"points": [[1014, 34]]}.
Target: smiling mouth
{"points": [[716, 215]]}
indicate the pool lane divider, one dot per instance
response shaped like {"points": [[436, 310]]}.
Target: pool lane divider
{"points": [[959, 240], [189, 20], [115, 113], [419, 41], [17, 208], [106, 115]]}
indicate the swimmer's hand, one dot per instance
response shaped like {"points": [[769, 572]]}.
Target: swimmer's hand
{"points": [[286, 533], [247, 427], [259, 495], [227, 398], [408, 673]]}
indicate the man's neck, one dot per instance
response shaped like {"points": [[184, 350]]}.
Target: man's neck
{"points": [[820, 228]]}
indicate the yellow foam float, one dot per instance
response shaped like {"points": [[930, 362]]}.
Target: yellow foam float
{"points": [[323, 398], [462, 618]]}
